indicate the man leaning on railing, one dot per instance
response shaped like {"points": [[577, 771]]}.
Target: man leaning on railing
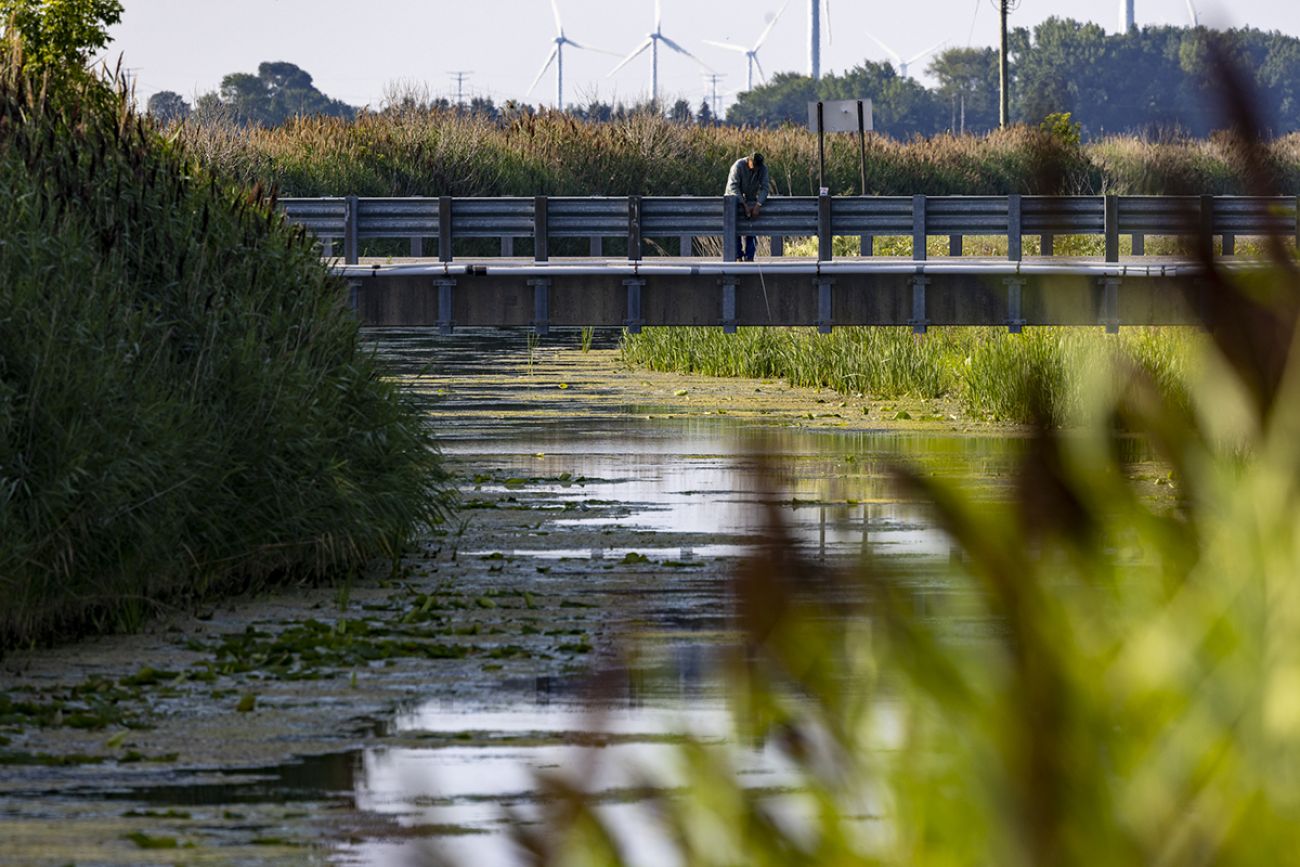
{"points": [[748, 183]]}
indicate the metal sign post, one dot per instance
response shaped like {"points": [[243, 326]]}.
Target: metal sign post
{"points": [[821, 151], [840, 115]]}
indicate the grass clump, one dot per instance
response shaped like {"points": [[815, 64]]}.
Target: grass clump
{"points": [[184, 405], [992, 373]]}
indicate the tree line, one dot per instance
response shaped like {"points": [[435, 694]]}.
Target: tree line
{"points": [[1155, 81]]}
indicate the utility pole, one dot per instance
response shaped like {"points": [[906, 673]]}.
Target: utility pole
{"points": [[459, 76], [714, 78]]}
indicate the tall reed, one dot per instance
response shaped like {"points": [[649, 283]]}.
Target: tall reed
{"points": [[435, 153], [185, 408]]}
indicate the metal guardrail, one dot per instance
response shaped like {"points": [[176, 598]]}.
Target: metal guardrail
{"points": [[352, 219]]}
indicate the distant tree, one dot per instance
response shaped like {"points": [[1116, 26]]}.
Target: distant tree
{"points": [[167, 106], [681, 112], [968, 84], [59, 33], [277, 93], [902, 107], [481, 106], [705, 117], [784, 99]]}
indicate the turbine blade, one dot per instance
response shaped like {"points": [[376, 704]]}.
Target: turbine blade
{"points": [[929, 50], [767, 31], [1191, 10], [675, 47], [830, 34], [728, 45], [550, 58], [759, 67], [568, 41], [626, 60], [559, 25], [892, 54], [659, 15]]}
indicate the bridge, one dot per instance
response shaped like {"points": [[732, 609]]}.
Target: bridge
{"points": [[604, 276]]}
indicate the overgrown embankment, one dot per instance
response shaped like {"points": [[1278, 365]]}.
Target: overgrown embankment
{"points": [[1005, 377], [184, 406], [441, 153]]}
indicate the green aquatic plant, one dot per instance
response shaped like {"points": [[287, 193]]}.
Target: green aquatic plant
{"points": [[185, 406], [992, 373]]}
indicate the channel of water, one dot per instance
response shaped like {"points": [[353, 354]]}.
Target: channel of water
{"points": [[584, 480]]}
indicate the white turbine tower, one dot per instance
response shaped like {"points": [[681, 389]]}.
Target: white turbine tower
{"points": [[1126, 16], [751, 54], [557, 57], [815, 36], [898, 59], [652, 41]]}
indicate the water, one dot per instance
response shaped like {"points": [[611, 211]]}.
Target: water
{"points": [[582, 485]]}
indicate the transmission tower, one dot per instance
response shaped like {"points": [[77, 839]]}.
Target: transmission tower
{"points": [[459, 76], [715, 99]]}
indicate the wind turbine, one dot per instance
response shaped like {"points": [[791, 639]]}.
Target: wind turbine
{"points": [[1191, 10], [815, 36], [899, 61], [652, 41], [751, 54], [557, 57]]}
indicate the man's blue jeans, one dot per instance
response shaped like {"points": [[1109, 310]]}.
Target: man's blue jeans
{"points": [[745, 247]]}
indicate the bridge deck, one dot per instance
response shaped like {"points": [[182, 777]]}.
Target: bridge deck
{"points": [[782, 291]]}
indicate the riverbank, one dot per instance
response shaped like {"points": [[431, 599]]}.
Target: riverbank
{"points": [[563, 556]]}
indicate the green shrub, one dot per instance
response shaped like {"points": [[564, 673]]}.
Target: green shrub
{"points": [[184, 405]]}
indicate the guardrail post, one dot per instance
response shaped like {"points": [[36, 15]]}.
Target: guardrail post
{"points": [[1015, 226], [327, 248], [507, 246], [920, 324], [633, 322], [1297, 222], [824, 308], [634, 228], [730, 237], [445, 286], [444, 228], [1139, 244], [1110, 304], [728, 304], [918, 231], [778, 246], [417, 248], [1047, 242], [825, 241], [1205, 242], [688, 244], [1112, 228], [867, 245], [354, 293], [351, 231], [597, 245], [954, 245], [1229, 244], [541, 306], [541, 231], [1015, 318]]}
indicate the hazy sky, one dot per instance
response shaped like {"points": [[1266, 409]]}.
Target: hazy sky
{"points": [[355, 49]]}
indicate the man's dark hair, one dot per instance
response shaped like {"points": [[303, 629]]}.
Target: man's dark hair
{"points": [[757, 158]]}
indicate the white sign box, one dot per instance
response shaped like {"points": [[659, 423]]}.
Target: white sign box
{"points": [[840, 115]]}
